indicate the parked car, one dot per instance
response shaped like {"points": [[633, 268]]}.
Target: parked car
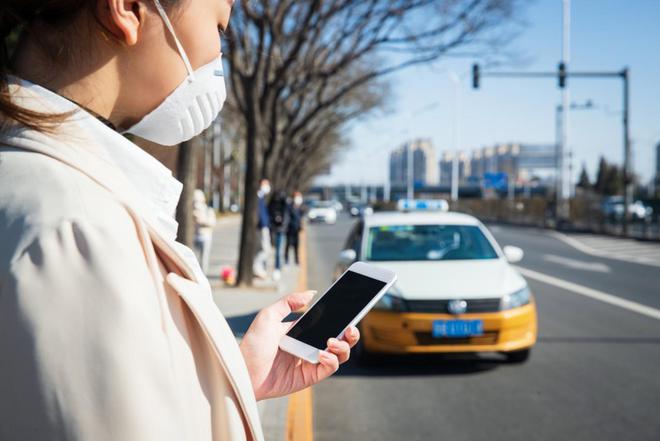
{"points": [[361, 210], [322, 211], [612, 208]]}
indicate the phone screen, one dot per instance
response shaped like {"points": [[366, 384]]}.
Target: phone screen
{"points": [[336, 309]]}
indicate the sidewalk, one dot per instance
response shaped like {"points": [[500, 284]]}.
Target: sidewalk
{"points": [[240, 306]]}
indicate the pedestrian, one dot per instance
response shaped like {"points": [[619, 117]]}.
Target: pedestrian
{"points": [[205, 220], [294, 226], [277, 209], [108, 330], [260, 267]]}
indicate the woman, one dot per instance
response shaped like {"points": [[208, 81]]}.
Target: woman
{"points": [[205, 220], [277, 211], [107, 326]]}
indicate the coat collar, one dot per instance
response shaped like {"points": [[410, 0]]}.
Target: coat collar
{"points": [[76, 145], [154, 182]]}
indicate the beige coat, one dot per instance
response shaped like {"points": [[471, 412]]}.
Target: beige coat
{"points": [[106, 332]]}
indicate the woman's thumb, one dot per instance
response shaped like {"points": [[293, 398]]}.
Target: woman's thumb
{"points": [[299, 300]]}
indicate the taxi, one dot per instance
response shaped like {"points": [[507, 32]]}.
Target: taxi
{"points": [[456, 290]]}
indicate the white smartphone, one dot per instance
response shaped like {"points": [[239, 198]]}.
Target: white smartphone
{"points": [[344, 304]]}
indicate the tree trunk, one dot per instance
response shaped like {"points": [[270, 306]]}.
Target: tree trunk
{"points": [[187, 174], [249, 231], [221, 179]]}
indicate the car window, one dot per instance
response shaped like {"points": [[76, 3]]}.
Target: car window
{"points": [[428, 242]]}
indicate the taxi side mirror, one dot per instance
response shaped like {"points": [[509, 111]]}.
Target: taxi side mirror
{"points": [[513, 254], [347, 257]]}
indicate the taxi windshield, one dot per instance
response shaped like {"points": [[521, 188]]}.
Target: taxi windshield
{"points": [[428, 242]]}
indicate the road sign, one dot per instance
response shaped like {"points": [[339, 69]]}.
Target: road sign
{"points": [[497, 181]]}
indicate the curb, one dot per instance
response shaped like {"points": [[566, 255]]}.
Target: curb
{"points": [[299, 419]]}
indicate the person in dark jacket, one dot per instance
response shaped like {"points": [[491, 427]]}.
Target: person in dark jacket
{"points": [[278, 212], [294, 226]]}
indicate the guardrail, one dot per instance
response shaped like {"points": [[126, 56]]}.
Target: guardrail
{"points": [[587, 215]]}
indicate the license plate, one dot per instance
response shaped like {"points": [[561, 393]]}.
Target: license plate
{"points": [[457, 328]]}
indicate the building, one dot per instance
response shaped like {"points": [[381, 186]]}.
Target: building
{"points": [[425, 172], [445, 167], [524, 162]]}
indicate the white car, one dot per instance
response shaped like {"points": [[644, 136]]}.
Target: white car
{"points": [[456, 290], [322, 211]]}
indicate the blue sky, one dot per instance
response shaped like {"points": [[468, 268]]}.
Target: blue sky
{"points": [[606, 35]]}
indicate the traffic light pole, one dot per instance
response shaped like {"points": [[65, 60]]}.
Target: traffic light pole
{"points": [[563, 202], [559, 133], [562, 76], [627, 174]]}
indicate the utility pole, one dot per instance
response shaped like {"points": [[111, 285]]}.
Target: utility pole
{"points": [[563, 204], [559, 110], [627, 175], [387, 189], [456, 81], [410, 169]]}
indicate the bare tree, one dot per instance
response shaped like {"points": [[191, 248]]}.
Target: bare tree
{"points": [[187, 173], [301, 69]]}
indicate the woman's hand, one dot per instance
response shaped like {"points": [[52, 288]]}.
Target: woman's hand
{"points": [[274, 372]]}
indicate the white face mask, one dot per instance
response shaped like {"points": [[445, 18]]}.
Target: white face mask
{"points": [[191, 107], [265, 189], [298, 200]]}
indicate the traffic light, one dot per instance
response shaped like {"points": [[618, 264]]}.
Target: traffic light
{"points": [[475, 76], [561, 75]]}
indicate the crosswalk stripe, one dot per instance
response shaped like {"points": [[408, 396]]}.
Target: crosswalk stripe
{"points": [[591, 293], [647, 253], [600, 251], [630, 247]]}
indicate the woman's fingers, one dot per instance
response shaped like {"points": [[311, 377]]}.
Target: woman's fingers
{"points": [[328, 365], [340, 348], [352, 336]]}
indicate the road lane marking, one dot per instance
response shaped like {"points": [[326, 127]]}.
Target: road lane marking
{"points": [[591, 293], [585, 248], [299, 419], [577, 264]]}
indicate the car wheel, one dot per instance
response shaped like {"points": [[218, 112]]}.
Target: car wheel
{"points": [[517, 357]]}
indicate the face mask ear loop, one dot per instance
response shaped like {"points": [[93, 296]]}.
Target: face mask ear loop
{"points": [[169, 26]]}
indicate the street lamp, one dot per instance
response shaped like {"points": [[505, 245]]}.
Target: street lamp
{"points": [[563, 207], [456, 81], [559, 110]]}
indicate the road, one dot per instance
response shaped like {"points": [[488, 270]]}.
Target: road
{"points": [[594, 374]]}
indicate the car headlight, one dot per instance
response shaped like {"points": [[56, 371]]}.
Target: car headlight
{"points": [[391, 301], [517, 299]]}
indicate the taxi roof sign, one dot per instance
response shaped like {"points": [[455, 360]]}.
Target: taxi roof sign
{"points": [[422, 205]]}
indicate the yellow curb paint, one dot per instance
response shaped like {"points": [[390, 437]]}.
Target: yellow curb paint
{"points": [[299, 421], [299, 425]]}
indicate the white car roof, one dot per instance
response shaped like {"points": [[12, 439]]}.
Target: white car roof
{"points": [[419, 218]]}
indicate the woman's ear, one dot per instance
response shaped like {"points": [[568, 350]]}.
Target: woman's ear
{"points": [[123, 18]]}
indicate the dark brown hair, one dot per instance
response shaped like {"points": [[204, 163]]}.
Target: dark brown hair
{"points": [[53, 17], [17, 16]]}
